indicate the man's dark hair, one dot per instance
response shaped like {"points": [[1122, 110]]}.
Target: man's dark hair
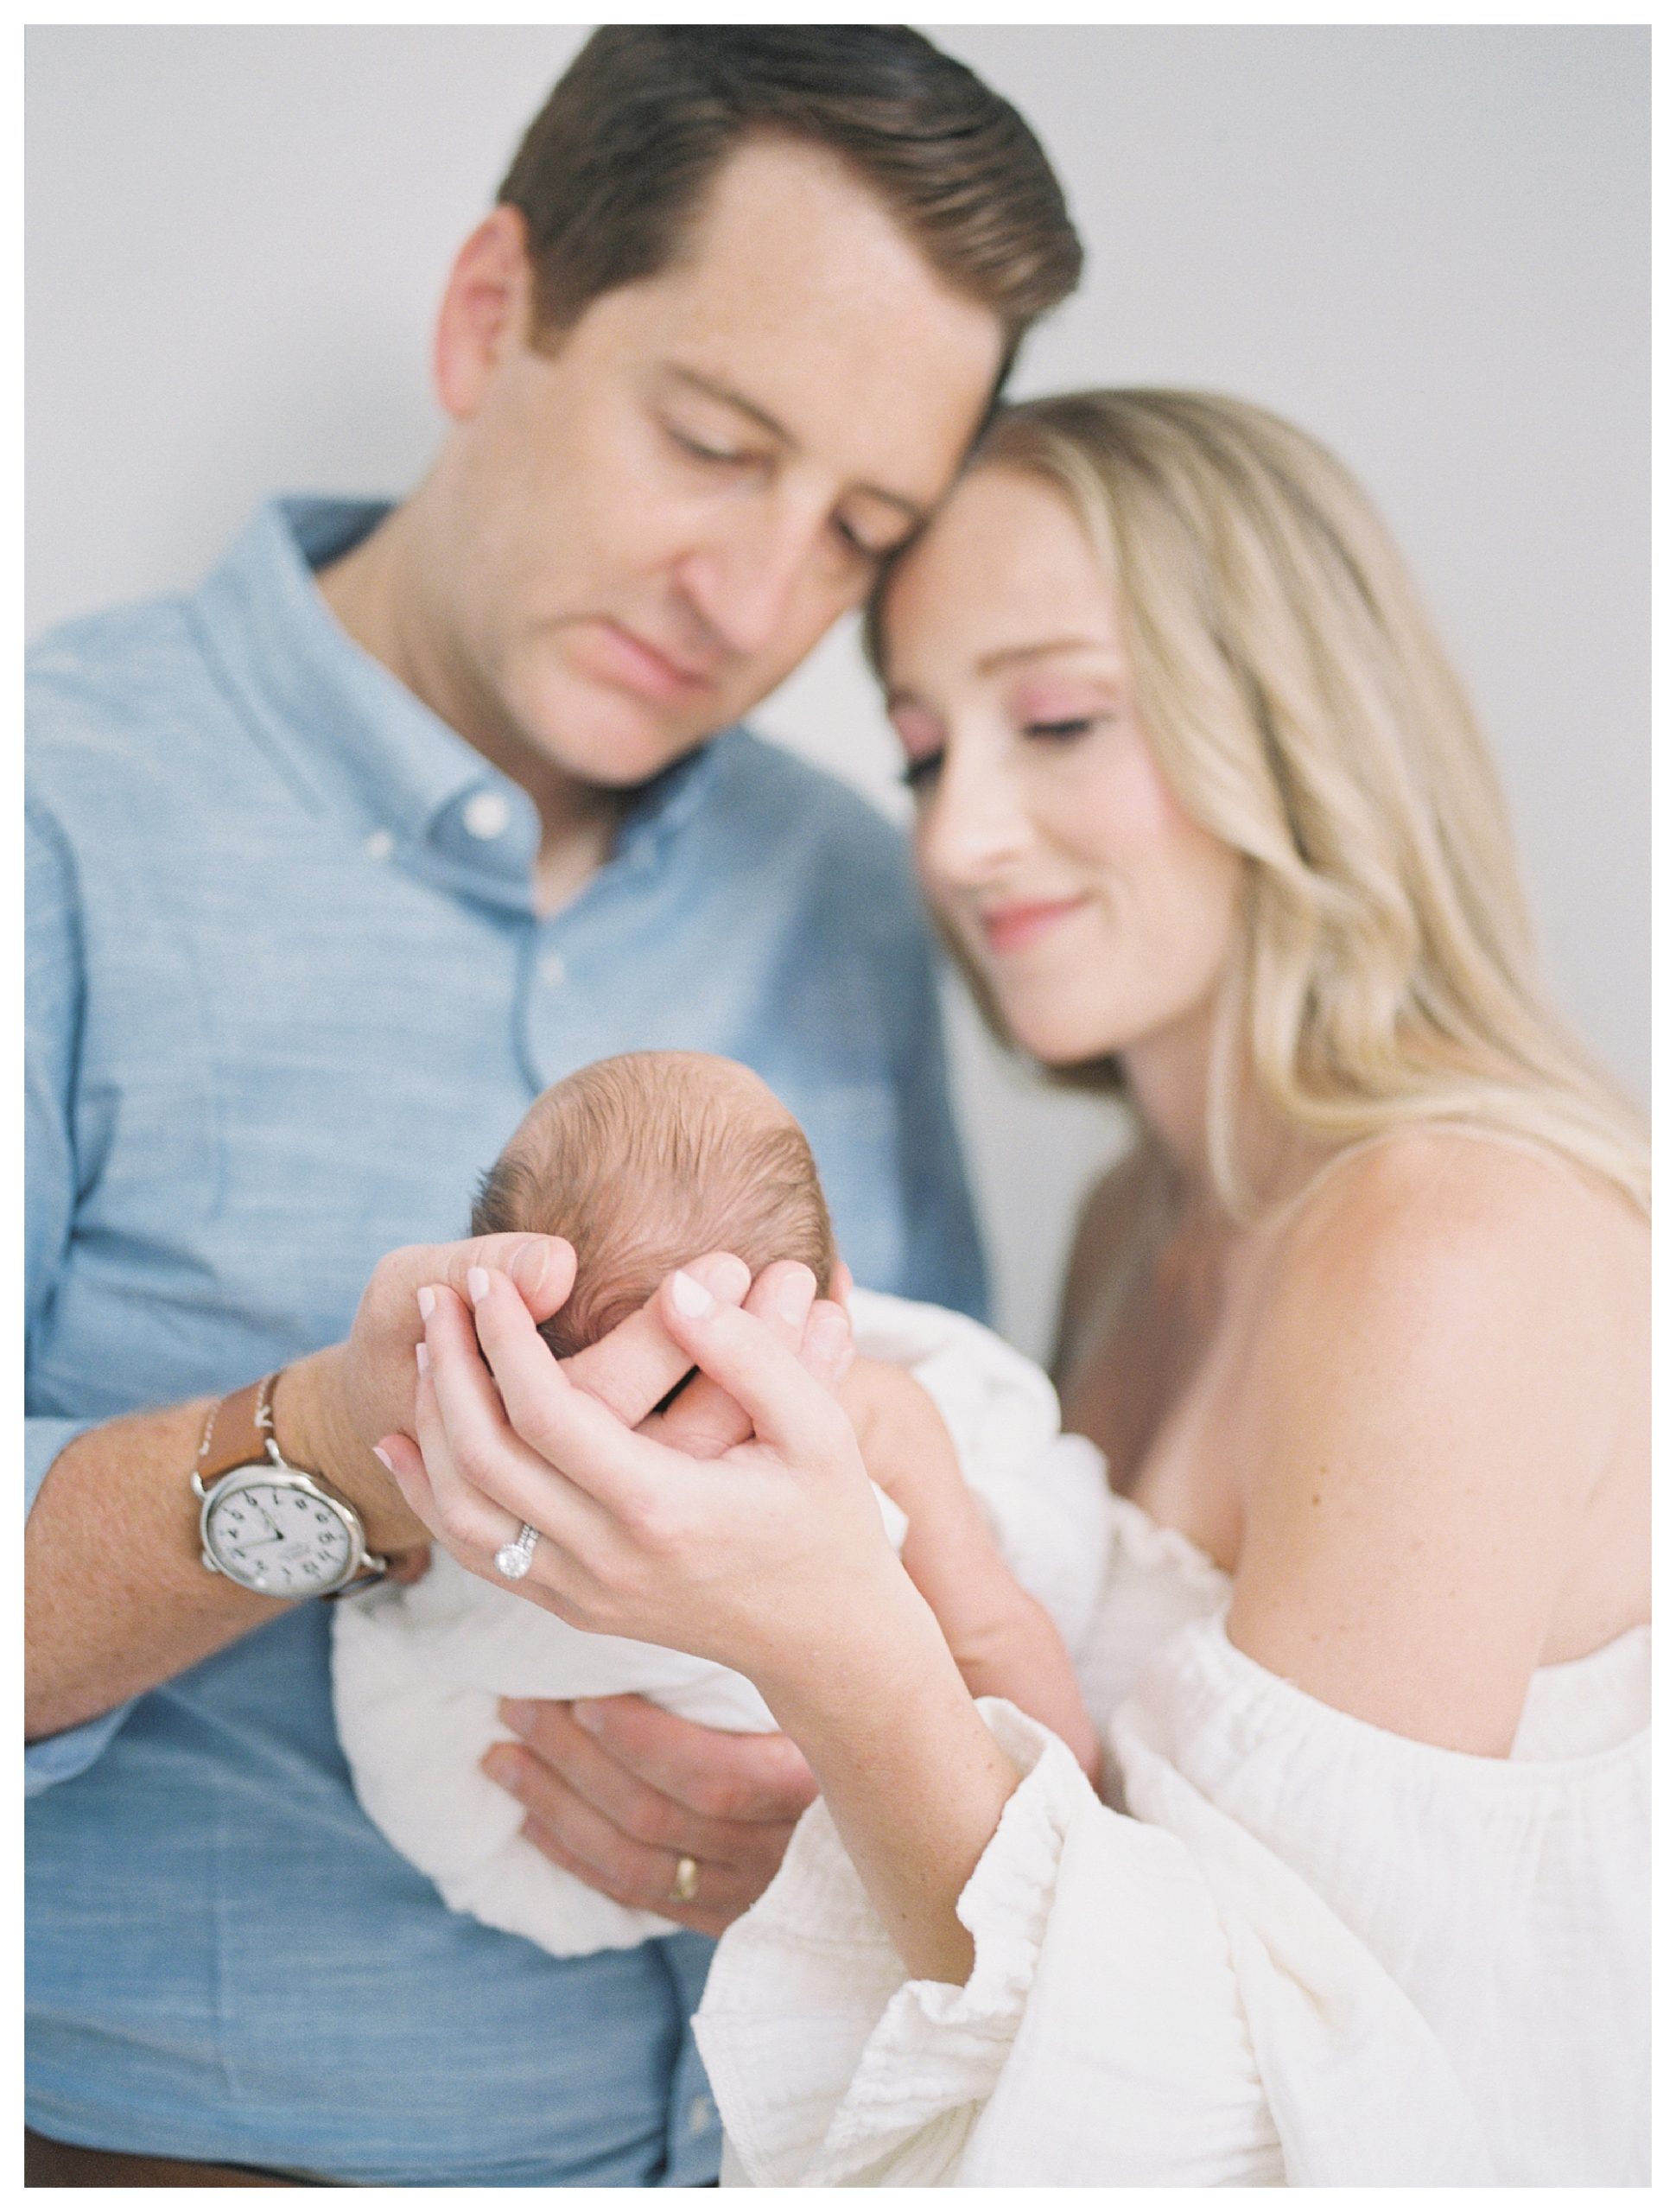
{"points": [[615, 166]]}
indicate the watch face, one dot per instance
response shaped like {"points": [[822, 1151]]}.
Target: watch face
{"points": [[275, 1537]]}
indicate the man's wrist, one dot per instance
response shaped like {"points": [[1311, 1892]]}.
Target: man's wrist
{"points": [[313, 1431]]}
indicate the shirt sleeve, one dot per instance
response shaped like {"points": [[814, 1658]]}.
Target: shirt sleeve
{"points": [[53, 1020], [1153, 2001]]}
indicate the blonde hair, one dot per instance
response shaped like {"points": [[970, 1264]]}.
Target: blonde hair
{"points": [[1300, 705]]}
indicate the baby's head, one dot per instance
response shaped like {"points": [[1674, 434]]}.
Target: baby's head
{"points": [[650, 1160]]}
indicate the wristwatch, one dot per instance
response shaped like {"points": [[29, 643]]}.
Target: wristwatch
{"points": [[267, 1525]]}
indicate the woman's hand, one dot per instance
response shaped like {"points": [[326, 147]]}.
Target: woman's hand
{"points": [[770, 1558], [753, 1558]]}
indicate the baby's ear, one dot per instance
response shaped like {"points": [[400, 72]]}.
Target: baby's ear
{"points": [[841, 1284]]}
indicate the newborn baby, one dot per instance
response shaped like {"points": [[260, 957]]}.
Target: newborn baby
{"points": [[643, 1162]]}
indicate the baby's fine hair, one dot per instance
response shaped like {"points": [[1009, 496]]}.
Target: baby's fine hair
{"points": [[647, 1160]]}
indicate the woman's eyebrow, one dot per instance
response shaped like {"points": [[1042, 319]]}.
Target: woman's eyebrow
{"points": [[1009, 656]]}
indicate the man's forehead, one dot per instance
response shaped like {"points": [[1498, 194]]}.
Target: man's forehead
{"points": [[799, 292]]}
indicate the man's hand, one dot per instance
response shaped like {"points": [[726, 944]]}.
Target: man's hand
{"points": [[618, 1792], [331, 1408]]}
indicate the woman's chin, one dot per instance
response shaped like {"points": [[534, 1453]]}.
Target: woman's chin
{"points": [[1061, 1044]]}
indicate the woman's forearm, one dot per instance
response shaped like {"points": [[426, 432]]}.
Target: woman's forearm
{"points": [[915, 1782]]}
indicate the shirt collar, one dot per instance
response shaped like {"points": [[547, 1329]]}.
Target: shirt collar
{"points": [[360, 735], [336, 712]]}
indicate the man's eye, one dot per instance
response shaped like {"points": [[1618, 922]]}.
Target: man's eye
{"points": [[698, 450], [920, 775], [866, 548]]}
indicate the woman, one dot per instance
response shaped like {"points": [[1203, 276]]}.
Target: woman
{"points": [[1360, 1322]]}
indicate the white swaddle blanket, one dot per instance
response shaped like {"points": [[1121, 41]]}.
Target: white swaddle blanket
{"points": [[418, 1671]]}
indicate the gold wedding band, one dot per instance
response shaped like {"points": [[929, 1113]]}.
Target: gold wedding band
{"points": [[684, 1888]]}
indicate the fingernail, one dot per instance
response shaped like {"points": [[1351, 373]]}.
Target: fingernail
{"points": [[588, 1716], [690, 1295], [723, 1276], [518, 1715], [828, 1338], [422, 1353], [527, 1266], [383, 1458], [500, 1763], [426, 1303], [477, 1284], [794, 1295]]}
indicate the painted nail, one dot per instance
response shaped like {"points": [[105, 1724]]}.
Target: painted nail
{"points": [[383, 1458], [422, 1353], [477, 1284], [426, 1303], [690, 1295]]}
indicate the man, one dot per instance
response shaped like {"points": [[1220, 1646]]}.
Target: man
{"points": [[335, 863]]}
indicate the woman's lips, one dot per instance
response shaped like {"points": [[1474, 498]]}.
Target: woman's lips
{"points": [[1010, 929]]}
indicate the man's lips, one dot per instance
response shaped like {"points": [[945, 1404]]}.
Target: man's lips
{"points": [[623, 657], [1012, 928]]}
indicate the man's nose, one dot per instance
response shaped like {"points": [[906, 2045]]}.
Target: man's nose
{"points": [[748, 581]]}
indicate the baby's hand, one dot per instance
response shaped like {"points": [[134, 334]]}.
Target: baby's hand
{"points": [[1004, 1642]]}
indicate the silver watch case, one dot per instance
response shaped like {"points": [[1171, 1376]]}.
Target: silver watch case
{"points": [[278, 1473]]}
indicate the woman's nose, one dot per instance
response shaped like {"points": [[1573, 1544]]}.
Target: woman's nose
{"points": [[974, 826]]}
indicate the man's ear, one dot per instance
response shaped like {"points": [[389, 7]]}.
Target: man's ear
{"points": [[485, 311]]}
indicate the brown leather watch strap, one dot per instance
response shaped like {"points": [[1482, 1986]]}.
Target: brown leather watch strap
{"points": [[237, 1432]]}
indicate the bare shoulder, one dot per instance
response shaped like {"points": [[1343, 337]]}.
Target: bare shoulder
{"points": [[1447, 1355], [1440, 1230]]}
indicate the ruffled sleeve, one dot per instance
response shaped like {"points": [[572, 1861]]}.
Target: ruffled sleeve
{"points": [[1099, 2039], [1198, 1990]]}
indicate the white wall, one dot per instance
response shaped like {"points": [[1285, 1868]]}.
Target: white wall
{"points": [[1428, 244]]}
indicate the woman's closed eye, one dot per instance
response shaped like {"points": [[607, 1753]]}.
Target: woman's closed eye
{"points": [[920, 774], [1063, 730]]}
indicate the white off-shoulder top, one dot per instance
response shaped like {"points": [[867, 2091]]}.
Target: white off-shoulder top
{"points": [[1294, 1947]]}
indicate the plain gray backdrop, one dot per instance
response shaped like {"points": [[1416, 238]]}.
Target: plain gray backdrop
{"points": [[1429, 245]]}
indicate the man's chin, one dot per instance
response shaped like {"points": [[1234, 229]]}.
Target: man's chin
{"points": [[614, 743]]}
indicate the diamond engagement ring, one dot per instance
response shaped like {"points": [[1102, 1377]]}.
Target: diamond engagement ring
{"points": [[684, 1888], [513, 1559]]}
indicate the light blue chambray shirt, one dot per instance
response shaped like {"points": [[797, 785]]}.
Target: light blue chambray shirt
{"points": [[287, 996]]}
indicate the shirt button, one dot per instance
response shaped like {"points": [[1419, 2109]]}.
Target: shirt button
{"points": [[486, 814], [700, 2116], [551, 969], [379, 846]]}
